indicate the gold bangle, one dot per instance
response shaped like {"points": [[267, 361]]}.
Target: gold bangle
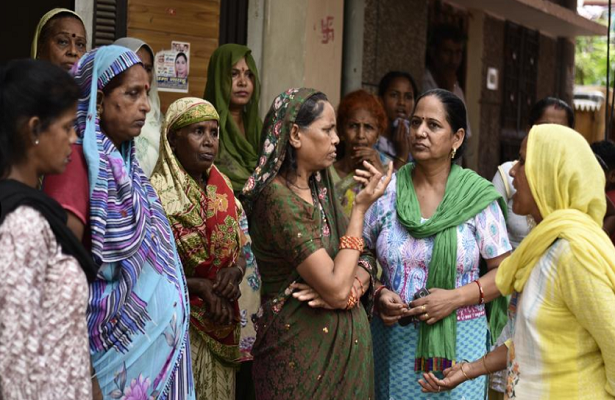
{"points": [[463, 372], [485, 364], [352, 243]]}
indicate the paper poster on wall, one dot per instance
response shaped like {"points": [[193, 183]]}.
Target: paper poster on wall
{"points": [[173, 68]]}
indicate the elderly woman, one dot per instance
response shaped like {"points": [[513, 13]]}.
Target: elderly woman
{"points": [[147, 144], [429, 231], [361, 120], [60, 38], [314, 343], [138, 313], [233, 88], [562, 279], [43, 335], [204, 216]]}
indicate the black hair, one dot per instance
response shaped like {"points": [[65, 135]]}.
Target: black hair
{"points": [[605, 150], [310, 111], [46, 29], [181, 54], [441, 33], [456, 114], [540, 106], [30, 88], [390, 76]]}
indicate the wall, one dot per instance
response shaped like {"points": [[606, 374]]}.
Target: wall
{"points": [[546, 83], [491, 100], [286, 38], [158, 22], [395, 35]]}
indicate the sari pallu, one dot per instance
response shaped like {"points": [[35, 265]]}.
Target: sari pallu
{"points": [[138, 306], [207, 233]]}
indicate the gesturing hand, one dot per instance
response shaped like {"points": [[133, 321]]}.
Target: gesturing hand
{"points": [[374, 185], [369, 154], [437, 305]]}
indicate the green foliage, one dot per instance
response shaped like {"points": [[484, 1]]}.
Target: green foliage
{"points": [[590, 60]]}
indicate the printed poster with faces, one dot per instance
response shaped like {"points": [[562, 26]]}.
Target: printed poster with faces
{"points": [[173, 68]]}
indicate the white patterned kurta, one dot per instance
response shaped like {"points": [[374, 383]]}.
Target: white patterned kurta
{"points": [[404, 261]]}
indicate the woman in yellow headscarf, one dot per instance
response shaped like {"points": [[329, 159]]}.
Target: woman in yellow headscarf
{"points": [[562, 279], [60, 38]]}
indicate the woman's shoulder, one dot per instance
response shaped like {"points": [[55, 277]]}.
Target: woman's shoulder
{"points": [[26, 223]]}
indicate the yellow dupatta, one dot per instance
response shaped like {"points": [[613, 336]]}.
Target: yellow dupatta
{"points": [[567, 183]]}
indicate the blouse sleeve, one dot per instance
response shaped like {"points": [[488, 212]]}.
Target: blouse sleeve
{"points": [[246, 240], [491, 233], [288, 223]]}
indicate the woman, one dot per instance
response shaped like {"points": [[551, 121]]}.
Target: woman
{"points": [[429, 231], [147, 144], [60, 38], [233, 88], [45, 270], [361, 120], [204, 217], [562, 279], [549, 110], [315, 343], [181, 65], [138, 307], [397, 91]]}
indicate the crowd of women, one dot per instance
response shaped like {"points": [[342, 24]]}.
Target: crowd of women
{"points": [[202, 253]]}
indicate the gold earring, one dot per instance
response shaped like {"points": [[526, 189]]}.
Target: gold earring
{"points": [[453, 153], [99, 110]]}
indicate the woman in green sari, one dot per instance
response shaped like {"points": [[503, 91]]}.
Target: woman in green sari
{"points": [[234, 89], [313, 338]]}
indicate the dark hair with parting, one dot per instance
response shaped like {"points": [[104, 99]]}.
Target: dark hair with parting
{"points": [[310, 111], [30, 88], [390, 76], [540, 106], [455, 113], [180, 54]]}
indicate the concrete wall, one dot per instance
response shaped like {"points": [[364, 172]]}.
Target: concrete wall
{"points": [[395, 35], [546, 82]]}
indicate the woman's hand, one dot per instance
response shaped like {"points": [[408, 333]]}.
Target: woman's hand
{"points": [[401, 140], [437, 305], [390, 307], [227, 282], [453, 377], [369, 154], [303, 292], [373, 188], [220, 310]]}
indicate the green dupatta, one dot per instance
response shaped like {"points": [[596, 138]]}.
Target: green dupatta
{"points": [[466, 195], [237, 155]]}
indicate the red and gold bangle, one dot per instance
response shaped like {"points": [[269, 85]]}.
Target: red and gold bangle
{"points": [[482, 293], [377, 292], [352, 300], [351, 242]]}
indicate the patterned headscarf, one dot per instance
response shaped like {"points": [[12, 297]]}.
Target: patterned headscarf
{"points": [[237, 154], [276, 132], [205, 223], [43, 21], [128, 226]]}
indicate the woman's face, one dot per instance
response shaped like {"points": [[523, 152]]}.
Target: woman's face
{"points": [[316, 144], [65, 44], [125, 107], [196, 146], [148, 62], [359, 130], [398, 100], [181, 67], [431, 136], [552, 115], [523, 200], [242, 84], [52, 153]]}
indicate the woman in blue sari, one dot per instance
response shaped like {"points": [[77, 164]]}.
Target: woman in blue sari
{"points": [[138, 312]]}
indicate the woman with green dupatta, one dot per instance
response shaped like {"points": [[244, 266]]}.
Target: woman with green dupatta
{"points": [[429, 231], [205, 218], [313, 339]]}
